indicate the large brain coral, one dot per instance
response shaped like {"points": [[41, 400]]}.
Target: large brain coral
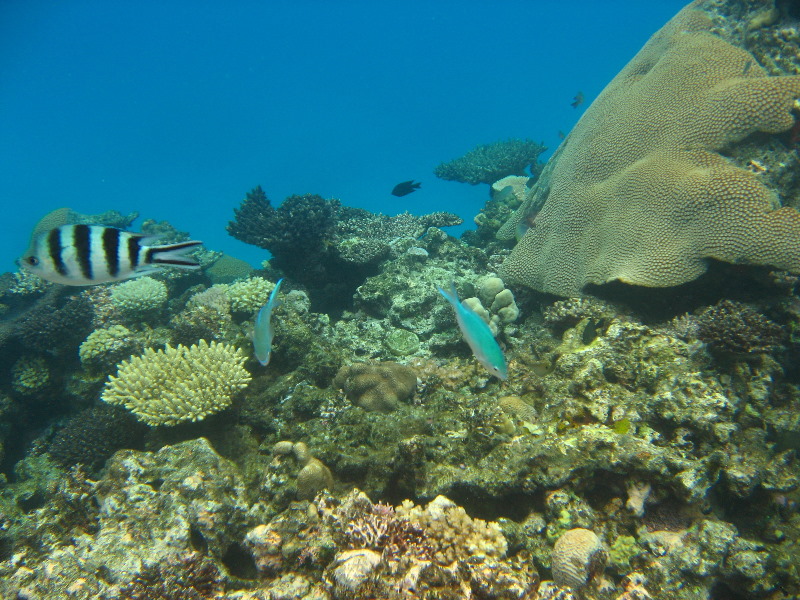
{"points": [[168, 386], [639, 191]]}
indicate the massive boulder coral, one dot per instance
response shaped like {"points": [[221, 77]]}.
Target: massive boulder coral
{"points": [[166, 387], [641, 192]]}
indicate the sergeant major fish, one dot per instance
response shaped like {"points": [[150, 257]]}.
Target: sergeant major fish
{"points": [[477, 334], [262, 329], [91, 254]]}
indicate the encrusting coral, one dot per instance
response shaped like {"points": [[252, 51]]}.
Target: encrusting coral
{"points": [[166, 387], [640, 192], [379, 387]]}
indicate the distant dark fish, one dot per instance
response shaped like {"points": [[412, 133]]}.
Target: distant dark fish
{"points": [[577, 100], [90, 254], [405, 188], [562, 135]]}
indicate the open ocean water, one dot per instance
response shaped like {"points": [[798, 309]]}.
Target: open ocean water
{"points": [[176, 109]]}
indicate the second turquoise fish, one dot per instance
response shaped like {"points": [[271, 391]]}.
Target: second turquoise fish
{"points": [[477, 334], [262, 329]]}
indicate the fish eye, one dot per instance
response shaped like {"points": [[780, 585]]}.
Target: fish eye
{"points": [[32, 261]]}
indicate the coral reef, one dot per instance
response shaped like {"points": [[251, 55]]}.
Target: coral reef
{"points": [[326, 247], [379, 387], [596, 221], [165, 387], [633, 452], [489, 162]]}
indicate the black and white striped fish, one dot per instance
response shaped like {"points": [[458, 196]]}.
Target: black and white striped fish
{"points": [[90, 254]]}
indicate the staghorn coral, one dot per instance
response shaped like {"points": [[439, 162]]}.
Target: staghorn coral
{"points": [[56, 323], [639, 191], [166, 387], [489, 162], [379, 387]]}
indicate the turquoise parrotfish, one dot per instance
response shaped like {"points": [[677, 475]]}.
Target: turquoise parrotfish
{"points": [[477, 334], [262, 329]]}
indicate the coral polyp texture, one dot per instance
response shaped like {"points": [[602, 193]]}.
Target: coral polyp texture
{"points": [[379, 387], [166, 387], [640, 190]]}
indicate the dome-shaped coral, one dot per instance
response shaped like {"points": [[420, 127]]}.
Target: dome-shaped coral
{"points": [[139, 297], [379, 387]]}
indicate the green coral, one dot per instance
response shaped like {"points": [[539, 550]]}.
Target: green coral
{"points": [[402, 342], [30, 375]]}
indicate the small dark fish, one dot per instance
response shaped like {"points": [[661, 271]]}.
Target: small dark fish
{"points": [[577, 100], [747, 66], [562, 135], [405, 188]]}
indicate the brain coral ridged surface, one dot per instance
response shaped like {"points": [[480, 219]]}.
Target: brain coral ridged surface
{"points": [[165, 387], [638, 191]]}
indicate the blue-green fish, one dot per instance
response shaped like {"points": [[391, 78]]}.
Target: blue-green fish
{"points": [[262, 329], [477, 334]]}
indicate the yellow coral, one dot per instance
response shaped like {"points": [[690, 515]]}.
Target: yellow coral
{"points": [[103, 342], [453, 534], [30, 375], [639, 192], [168, 386], [249, 295], [139, 296]]}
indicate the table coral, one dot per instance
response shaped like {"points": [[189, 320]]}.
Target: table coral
{"points": [[640, 190], [166, 387]]}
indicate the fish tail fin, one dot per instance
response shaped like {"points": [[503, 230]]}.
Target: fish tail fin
{"points": [[452, 295], [173, 255], [274, 301]]}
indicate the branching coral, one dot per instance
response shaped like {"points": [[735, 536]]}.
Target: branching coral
{"points": [[168, 386], [139, 297], [736, 328], [640, 191], [489, 162]]}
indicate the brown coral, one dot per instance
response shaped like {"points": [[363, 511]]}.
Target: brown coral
{"points": [[638, 191], [578, 555], [376, 387]]}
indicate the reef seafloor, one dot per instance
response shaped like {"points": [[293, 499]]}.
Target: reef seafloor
{"points": [[643, 444]]}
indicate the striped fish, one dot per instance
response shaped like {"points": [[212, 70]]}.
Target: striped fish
{"points": [[91, 254]]}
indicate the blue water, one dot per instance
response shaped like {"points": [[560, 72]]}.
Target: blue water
{"points": [[176, 109]]}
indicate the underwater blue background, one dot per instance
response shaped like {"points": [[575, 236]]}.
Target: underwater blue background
{"points": [[177, 109]]}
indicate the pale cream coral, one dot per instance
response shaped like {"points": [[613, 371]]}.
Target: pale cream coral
{"points": [[104, 343], [166, 387], [30, 375], [249, 295], [139, 296], [453, 534], [638, 192]]}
